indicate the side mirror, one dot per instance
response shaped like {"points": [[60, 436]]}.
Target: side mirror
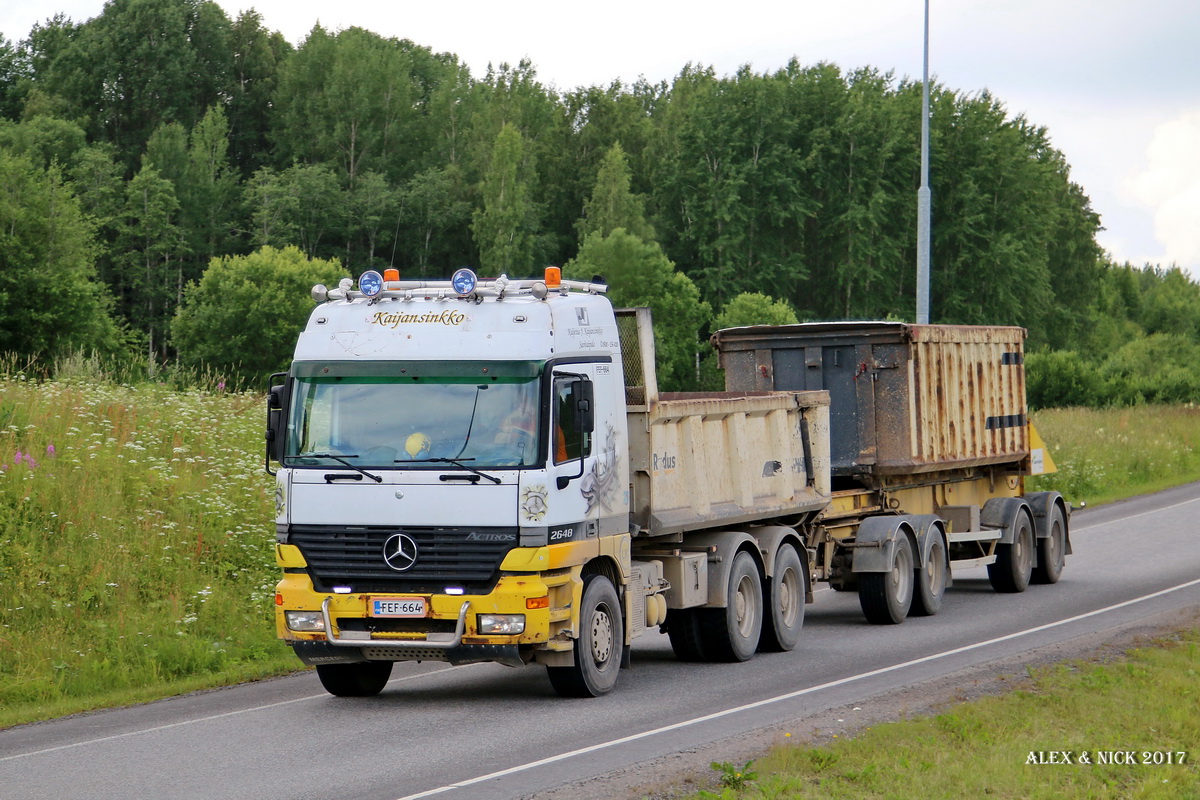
{"points": [[277, 397], [585, 406]]}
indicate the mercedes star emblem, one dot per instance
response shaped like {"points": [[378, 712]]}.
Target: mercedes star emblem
{"points": [[400, 551]]}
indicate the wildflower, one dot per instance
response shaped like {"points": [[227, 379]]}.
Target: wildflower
{"points": [[50, 450]]}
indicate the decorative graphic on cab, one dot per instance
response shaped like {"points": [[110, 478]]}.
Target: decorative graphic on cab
{"points": [[533, 502], [600, 484]]}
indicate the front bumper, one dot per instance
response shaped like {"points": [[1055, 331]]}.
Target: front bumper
{"points": [[314, 653], [434, 647], [449, 634]]}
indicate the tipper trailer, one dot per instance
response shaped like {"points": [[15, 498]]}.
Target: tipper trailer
{"points": [[930, 443], [486, 471]]}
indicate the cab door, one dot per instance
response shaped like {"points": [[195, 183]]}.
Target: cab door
{"points": [[573, 513]]}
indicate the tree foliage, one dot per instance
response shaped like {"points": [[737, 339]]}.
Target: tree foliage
{"points": [[151, 247], [303, 205], [612, 204], [640, 274], [244, 315], [754, 308], [52, 300], [139, 64], [504, 227], [185, 138]]}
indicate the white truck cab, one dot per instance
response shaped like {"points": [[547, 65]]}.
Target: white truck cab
{"points": [[434, 439]]}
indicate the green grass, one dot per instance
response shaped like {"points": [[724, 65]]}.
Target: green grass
{"points": [[136, 535], [1145, 703], [1106, 455], [136, 544]]}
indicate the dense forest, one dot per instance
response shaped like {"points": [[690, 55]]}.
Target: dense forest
{"points": [[175, 180]]}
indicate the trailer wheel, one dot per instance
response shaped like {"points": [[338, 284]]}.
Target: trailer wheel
{"points": [[1014, 562], [886, 597], [785, 595], [683, 629], [732, 633], [362, 679], [930, 580], [1052, 551], [599, 646]]}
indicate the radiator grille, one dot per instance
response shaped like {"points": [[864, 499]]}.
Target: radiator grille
{"points": [[464, 557]]}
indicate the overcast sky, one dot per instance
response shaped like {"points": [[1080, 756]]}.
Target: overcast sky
{"points": [[1116, 82]]}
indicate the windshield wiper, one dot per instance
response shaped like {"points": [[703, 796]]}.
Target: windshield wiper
{"points": [[456, 462], [341, 459]]}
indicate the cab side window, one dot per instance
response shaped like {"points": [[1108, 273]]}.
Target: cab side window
{"points": [[568, 442]]}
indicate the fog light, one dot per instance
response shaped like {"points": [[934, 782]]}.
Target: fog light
{"points": [[304, 620], [510, 624]]}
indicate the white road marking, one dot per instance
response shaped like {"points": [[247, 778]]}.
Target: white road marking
{"points": [[1135, 516], [791, 695], [214, 716], [676, 726]]}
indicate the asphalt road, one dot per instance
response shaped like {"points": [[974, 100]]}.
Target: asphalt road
{"points": [[486, 731]]}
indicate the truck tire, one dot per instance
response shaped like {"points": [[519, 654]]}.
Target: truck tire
{"points": [[599, 645], [785, 603], [683, 629], [1014, 562], [886, 597], [362, 679], [1052, 551], [732, 633], [930, 580]]}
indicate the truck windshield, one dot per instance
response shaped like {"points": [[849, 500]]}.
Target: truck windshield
{"points": [[409, 421]]}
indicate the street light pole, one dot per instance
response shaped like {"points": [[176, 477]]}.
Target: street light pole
{"points": [[924, 196]]}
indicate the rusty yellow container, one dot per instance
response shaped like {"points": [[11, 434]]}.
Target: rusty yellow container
{"points": [[903, 398]]}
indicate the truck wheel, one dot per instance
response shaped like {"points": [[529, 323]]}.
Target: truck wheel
{"points": [[363, 679], [785, 593], [1014, 562], [930, 580], [1052, 551], [732, 633], [886, 597], [683, 629], [598, 647]]}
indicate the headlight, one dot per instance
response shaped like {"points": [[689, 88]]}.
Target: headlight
{"points": [[510, 624], [304, 620]]}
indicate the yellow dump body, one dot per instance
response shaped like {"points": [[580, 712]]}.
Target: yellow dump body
{"points": [[700, 461], [708, 460]]}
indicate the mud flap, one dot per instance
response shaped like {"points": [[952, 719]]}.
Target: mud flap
{"points": [[875, 543]]}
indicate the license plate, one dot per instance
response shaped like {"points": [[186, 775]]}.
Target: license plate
{"points": [[397, 607]]}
